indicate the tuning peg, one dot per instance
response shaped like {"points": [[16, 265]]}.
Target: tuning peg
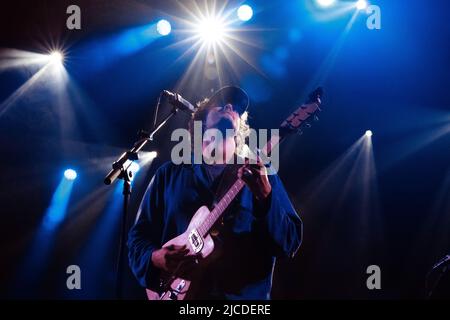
{"points": [[308, 125], [316, 118]]}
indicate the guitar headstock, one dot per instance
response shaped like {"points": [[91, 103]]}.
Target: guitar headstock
{"points": [[304, 115]]}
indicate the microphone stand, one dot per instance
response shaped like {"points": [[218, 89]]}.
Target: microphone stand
{"points": [[121, 170]]}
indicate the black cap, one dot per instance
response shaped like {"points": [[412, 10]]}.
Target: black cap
{"points": [[231, 94]]}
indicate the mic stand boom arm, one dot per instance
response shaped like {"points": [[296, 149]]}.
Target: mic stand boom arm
{"points": [[123, 163], [120, 169]]}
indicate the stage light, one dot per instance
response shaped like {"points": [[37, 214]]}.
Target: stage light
{"points": [[245, 12], [163, 27], [211, 30], [56, 57], [70, 174], [361, 4], [369, 133], [325, 3], [134, 167], [217, 42], [147, 156], [14, 58]]}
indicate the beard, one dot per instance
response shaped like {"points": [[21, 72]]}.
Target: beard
{"points": [[224, 124]]}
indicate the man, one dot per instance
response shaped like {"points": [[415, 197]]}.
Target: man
{"points": [[260, 225]]}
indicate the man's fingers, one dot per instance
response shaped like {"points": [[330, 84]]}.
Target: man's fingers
{"points": [[174, 247], [190, 259], [177, 254], [244, 172], [182, 259], [180, 254], [175, 251], [259, 164], [253, 170]]}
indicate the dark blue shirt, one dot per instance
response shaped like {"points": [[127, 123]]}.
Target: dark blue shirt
{"points": [[250, 240]]}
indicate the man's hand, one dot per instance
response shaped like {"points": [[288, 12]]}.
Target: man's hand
{"points": [[174, 260], [255, 176]]}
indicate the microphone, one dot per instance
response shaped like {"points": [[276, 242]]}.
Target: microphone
{"points": [[179, 102]]}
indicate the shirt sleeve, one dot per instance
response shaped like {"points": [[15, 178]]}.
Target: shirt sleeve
{"points": [[280, 220], [146, 234]]}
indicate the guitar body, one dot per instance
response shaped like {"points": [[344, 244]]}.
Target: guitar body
{"points": [[178, 288]]}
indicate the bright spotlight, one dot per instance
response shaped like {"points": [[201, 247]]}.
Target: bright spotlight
{"points": [[70, 174], [134, 167], [146, 157], [151, 155], [245, 12], [56, 57], [163, 27], [211, 30], [325, 3], [361, 4], [369, 133]]}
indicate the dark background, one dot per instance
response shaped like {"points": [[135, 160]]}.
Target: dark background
{"points": [[391, 210]]}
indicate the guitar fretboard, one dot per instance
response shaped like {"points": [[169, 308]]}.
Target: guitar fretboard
{"points": [[220, 207]]}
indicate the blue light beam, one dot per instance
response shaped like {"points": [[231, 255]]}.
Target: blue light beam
{"points": [[41, 247], [58, 205], [102, 52]]}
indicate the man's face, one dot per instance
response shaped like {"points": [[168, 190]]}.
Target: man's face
{"points": [[222, 118]]}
